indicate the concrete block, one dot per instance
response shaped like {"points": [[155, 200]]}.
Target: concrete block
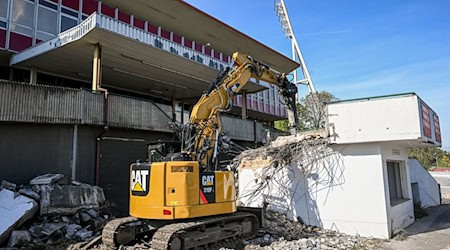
{"points": [[56, 199], [15, 209], [30, 193], [46, 179], [19, 238], [8, 185]]}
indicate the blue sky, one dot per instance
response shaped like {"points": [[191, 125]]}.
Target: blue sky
{"points": [[359, 48]]}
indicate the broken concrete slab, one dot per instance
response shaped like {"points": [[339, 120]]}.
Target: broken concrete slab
{"points": [[84, 234], [84, 217], [15, 209], [46, 179], [299, 136], [30, 193], [8, 185], [71, 229], [65, 199], [19, 238]]}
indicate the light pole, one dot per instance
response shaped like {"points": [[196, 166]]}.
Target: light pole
{"points": [[281, 10]]}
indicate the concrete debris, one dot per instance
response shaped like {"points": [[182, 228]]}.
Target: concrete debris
{"points": [[282, 233], [71, 229], [68, 213], [8, 185], [300, 136], [83, 234], [15, 209], [19, 238], [30, 193], [84, 217], [67, 199], [46, 179]]}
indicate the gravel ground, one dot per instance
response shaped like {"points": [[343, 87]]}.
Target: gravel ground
{"points": [[281, 233]]}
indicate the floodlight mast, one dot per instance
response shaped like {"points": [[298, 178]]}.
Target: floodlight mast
{"points": [[281, 10]]}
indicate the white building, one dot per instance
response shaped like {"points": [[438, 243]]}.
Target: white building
{"points": [[361, 182]]}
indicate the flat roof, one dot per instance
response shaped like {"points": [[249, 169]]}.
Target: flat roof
{"points": [[374, 97], [184, 19]]}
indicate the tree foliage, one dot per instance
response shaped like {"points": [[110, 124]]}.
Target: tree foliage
{"points": [[311, 111], [431, 157]]}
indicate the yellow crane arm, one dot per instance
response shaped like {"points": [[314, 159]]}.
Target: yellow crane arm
{"points": [[218, 98]]}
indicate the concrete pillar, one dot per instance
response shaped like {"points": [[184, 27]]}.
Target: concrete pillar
{"points": [[244, 104], [97, 68], [33, 75], [182, 112], [174, 109], [74, 151]]}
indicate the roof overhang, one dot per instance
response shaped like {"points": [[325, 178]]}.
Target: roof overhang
{"points": [[130, 59], [184, 19]]}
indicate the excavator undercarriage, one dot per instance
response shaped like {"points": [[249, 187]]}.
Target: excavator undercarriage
{"points": [[185, 234]]}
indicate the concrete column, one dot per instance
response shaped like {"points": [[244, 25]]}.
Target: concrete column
{"points": [[174, 109], [182, 112], [74, 151], [97, 68], [244, 104], [33, 75]]}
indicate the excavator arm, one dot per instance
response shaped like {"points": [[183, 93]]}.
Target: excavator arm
{"points": [[219, 96]]}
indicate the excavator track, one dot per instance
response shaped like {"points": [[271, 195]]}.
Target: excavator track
{"points": [[111, 231], [203, 231]]}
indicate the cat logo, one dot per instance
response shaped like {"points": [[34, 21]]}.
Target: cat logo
{"points": [[139, 181], [208, 180]]}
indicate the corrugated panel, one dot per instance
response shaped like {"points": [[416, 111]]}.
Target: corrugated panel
{"points": [[21, 102], [141, 114], [37, 103], [92, 107]]}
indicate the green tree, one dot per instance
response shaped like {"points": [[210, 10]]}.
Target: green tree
{"points": [[430, 157], [311, 111], [444, 162]]}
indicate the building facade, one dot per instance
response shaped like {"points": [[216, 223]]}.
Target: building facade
{"points": [[87, 84]]}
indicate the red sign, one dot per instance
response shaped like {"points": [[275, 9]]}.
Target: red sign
{"points": [[426, 120], [437, 128]]}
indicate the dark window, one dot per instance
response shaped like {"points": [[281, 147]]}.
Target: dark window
{"points": [[67, 23], [48, 4], [394, 170], [69, 12]]}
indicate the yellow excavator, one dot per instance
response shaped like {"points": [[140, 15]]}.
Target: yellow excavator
{"points": [[185, 201]]}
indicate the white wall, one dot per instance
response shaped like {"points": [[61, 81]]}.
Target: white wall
{"points": [[428, 186], [399, 215], [375, 120], [344, 192]]}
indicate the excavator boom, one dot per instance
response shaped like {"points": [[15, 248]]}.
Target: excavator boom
{"points": [[205, 115]]}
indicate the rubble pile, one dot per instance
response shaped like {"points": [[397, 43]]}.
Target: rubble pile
{"points": [[282, 233], [55, 212]]}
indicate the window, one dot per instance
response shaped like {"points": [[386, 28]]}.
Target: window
{"points": [[67, 23], [3, 9], [395, 171], [23, 17], [47, 20]]}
